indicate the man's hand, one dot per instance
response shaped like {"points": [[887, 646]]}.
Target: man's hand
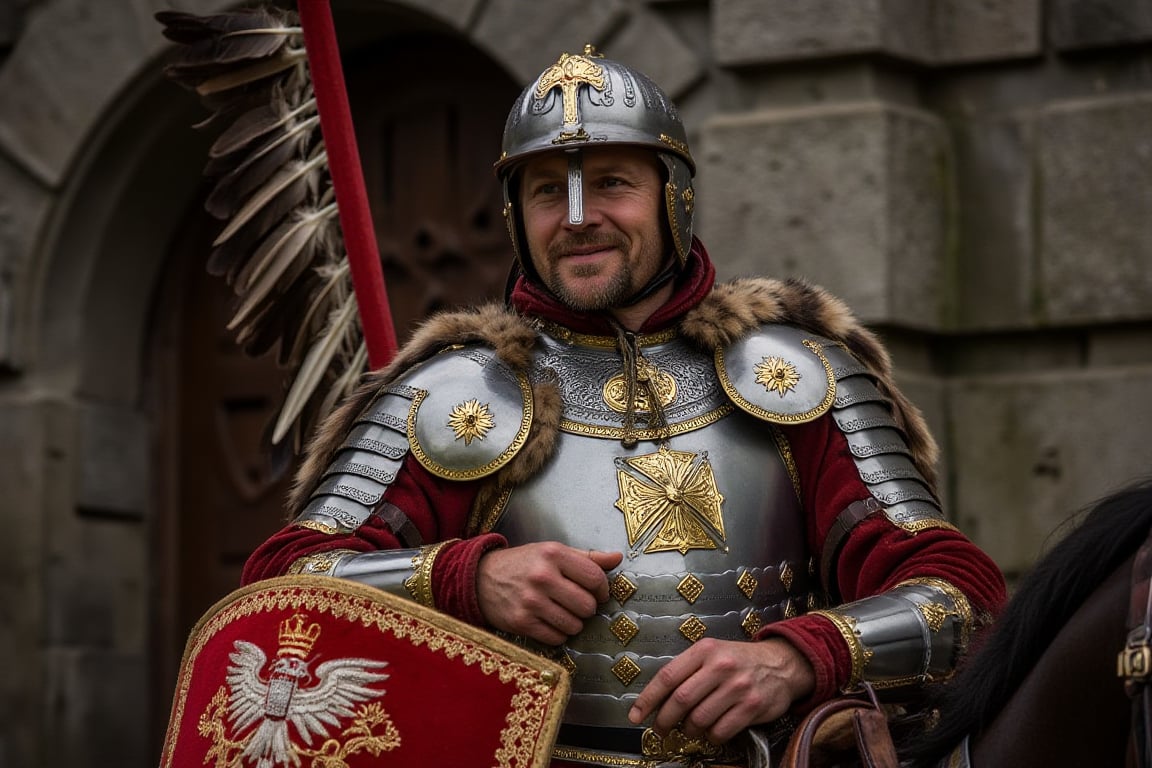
{"points": [[719, 687], [544, 591]]}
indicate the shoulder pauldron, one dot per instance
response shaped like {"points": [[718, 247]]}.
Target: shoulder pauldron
{"points": [[787, 376], [463, 414]]}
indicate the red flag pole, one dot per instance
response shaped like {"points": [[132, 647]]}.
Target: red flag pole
{"points": [[348, 180]]}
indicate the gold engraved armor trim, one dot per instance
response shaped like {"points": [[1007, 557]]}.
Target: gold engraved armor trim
{"points": [[471, 420], [568, 74], [860, 655], [786, 576], [601, 758], [777, 375], [785, 449], [481, 521], [316, 525], [779, 417], [959, 602], [447, 473], [670, 502], [748, 583], [621, 588], [690, 588], [603, 342], [689, 200], [790, 609], [319, 562], [533, 707], [617, 433], [919, 526], [935, 615], [419, 584], [624, 628], [626, 670], [693, 628], [616, 388], [673, 221], [677, 747], [676, 144]]}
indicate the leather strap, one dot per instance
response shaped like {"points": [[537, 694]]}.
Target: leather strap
{"points": [[400, 525], [1134, 664], [851, 723], [852, 515]]}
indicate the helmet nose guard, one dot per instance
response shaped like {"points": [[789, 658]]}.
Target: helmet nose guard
{"points": [[586, 100]]}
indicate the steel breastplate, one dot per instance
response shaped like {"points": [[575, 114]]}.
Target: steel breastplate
{"points": [[705, 511]]}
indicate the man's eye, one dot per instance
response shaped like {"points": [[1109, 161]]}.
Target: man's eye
{"points": [[548, 188]]}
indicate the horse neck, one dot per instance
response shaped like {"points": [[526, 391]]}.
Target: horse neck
{"points": [[1071, 708]]}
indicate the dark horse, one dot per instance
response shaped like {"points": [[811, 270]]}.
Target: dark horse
{"points": [[1042, 689]]}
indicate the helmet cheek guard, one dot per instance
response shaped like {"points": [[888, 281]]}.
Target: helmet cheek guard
{"points": [[590, 101]]}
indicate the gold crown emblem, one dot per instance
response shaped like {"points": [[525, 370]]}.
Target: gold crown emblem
{"points": [[295, 638]]}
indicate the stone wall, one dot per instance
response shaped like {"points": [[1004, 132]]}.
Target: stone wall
{"points": [[972, 177]]}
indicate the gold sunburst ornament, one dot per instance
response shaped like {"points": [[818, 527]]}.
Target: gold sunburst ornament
{"points": [[471, 420], [777, 375]]}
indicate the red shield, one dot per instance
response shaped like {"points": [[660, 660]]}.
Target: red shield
{"points": [[316, 672]]}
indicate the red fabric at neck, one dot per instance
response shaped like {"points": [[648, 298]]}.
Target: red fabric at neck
{"points": [[692, 285]]}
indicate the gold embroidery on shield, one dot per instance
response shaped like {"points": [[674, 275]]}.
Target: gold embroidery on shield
{"points": [[670, 502], [616, 388]]}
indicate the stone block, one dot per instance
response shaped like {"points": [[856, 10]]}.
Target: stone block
{"points": [[964, 31], [567, 25], [99, 709], [1093, 198], [23, 208], [73, 58], [1075, 24], [457, 13], [657, 50], [22, 445], [852, 197], [994, 268], [94, 569], [1030, 450], [115, 446], [761, 31]]}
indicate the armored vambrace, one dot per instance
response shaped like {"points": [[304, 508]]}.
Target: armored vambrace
{"points": [[907, 636]]}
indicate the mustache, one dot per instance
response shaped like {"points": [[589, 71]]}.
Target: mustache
{"points": [[569, 243]]}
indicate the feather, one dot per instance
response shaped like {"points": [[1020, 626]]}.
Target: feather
{"points": [[238, 184], [280, 260], [314, 367], [279, 247], [259, 122]]}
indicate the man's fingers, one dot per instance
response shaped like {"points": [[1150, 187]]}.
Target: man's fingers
{"points": [[655, 695], [586, 568]]}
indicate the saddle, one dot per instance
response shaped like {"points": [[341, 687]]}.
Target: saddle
{"points": [[848, 730]]}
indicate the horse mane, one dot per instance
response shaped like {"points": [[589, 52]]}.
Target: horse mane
{"points": [[1046, 599]]}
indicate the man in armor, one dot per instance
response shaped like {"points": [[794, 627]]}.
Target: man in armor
{"points": [[709, 502]]}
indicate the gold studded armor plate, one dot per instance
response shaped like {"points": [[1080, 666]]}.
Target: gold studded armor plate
{"points": [[707, 517]]}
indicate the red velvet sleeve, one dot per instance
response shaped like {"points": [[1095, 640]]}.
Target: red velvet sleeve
{"points": [[438, 508], [876, 555]]}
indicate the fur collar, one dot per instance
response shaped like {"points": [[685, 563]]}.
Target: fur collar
{"points": [[729, 312]]}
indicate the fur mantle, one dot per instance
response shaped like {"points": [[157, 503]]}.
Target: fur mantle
{"points": [[729, 312]]}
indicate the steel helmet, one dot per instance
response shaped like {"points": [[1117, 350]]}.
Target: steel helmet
{"points": [[587, 100]]}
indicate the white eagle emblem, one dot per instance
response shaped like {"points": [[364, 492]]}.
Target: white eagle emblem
{"points": [[263, 708]]}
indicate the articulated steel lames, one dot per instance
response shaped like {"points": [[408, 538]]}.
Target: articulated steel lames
{"points": [[463, 414]]}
